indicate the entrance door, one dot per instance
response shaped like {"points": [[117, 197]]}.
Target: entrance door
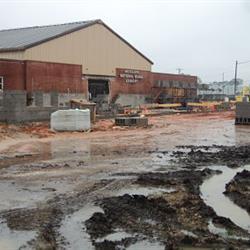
{"points": [[98, 88]]}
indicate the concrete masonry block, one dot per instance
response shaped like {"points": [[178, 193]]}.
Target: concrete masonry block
{"points": [[14, 99], [54, 99], [243, 109], [38, 97]]}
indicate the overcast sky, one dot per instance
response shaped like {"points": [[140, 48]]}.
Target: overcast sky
{"points": [[203, 37]]}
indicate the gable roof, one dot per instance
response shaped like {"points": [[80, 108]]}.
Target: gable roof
{"points": [[23, 38]]}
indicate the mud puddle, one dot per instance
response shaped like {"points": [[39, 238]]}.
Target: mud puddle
{"points": [[13, 196], [146, 245], [212, 193], [146, 191], [13, 239], [73, 229], [117, 236], [221, 231]]}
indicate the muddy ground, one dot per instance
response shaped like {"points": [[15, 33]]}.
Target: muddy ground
{"points": [[239, 189], [122, 188]]}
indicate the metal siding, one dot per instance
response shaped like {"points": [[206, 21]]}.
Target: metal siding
{"points": [[22, 37], [98, 50], [12, 55]]}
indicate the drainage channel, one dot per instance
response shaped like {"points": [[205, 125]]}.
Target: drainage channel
{"points": [[212, 193]]}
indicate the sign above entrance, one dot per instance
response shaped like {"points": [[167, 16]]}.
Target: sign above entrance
{"points": [[130, 75]]}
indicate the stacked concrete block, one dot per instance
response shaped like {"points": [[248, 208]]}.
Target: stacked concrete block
{"points": [[242, 113], [131, 121], [38, 97], [54, 99]]}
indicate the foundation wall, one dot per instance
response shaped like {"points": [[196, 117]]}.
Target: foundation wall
{"points": [[132, 100], [15, 109], [1, 99]]}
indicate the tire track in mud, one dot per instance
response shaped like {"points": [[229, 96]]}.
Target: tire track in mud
{"points": [[47, 218], [172, 219]]}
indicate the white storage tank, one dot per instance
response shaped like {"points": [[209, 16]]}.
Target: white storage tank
{"points": [[70, 120]]}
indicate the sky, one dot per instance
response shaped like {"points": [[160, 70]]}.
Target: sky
{"points": [[202, 37]]}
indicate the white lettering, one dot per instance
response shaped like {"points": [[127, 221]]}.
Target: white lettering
{"points": [[131, 76]]}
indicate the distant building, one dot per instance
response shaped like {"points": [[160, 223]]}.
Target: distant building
{"points": [[83, 60], [218, 90]]}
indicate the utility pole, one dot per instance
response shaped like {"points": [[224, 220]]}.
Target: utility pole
{"points": [[179, 70], [223, 74], [235, 77]]}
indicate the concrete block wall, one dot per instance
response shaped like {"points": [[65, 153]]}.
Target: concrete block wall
{"points": [[14, 100], [47, 100], [242, 115], [38, 97], [132, 100], [15, 110], [28, 114], [243, 109], [54, 99], [1, 98]]}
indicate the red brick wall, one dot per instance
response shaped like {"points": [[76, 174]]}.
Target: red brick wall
{"points": [[175, 92], [146, 85], [13, 73], [48, 77], [174, 77], [42, 76], [120, 86]]}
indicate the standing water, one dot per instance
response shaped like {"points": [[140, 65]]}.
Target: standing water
{"points": [[13, 239], [212, 193], [74, 231]]}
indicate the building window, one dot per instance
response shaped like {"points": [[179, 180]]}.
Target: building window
{"points": [[1, 83]]}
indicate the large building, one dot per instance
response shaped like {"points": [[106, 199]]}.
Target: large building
{"points": [[85, 60]]}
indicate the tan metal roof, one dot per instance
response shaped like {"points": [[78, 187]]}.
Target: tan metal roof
{"points": [[23, 38]]}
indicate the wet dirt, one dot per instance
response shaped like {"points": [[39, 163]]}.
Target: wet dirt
{"points": [[212, 191], [238, 189], [53, 180], [166, 218]]}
